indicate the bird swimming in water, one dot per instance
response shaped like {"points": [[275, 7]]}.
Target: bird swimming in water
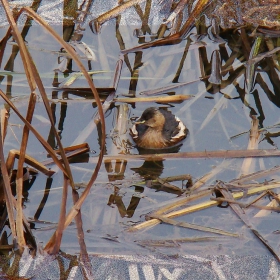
{"points": [[158, 129]]}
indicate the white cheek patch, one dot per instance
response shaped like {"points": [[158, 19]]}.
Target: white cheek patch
{"points": [[182, 131]]}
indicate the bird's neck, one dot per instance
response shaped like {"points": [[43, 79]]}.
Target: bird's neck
{"points": [[153, 138]]}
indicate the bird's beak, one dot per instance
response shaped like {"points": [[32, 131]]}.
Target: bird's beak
{"points": [[139, 122]]}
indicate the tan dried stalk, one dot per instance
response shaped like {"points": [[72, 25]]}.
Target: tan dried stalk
{"points": [[60, 227], [237, 209], [200, 206], [201, 154], [7, 190], [252, 145], [243, 205], [161, 99], [4, 123], [192, 226], [19, 178]]}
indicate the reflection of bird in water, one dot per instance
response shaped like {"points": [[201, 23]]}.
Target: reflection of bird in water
{"points": [[158, 129], [150, 170]]}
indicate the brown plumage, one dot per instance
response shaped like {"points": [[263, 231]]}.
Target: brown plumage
{"points": [[158, 129]]}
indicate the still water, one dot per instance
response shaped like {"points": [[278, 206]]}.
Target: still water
{"points": [[121, 195]]}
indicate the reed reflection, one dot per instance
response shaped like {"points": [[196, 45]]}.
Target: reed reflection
{"points": [[116, 170]]}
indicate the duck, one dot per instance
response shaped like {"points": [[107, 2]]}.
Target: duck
{"points": [[158, 128]]}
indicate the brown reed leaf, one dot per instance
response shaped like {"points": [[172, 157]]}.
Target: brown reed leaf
{"points": [[4, 123], [60, 227], [69, 49], [35, 132], [33, 79], [13, 154], [19, 178], [7, 191], [22, 48]]}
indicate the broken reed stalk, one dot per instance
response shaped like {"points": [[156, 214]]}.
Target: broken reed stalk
{"points": [[118, 71], [200, 206], [169, 186], [175, 178], [260, 196], [78, 150], [180, 6], [200, 154], [95, 24], [200, 182], [41, 139], [181, 201], [243, 205], [13, 154], [252, 145], [174, 242], [272, 203], [4, 123], [192, 226], [172, 87], [236, 208], [165, 182], [19, 177], [255, 175], [161, 99]]}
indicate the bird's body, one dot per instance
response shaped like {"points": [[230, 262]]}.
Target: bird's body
{"points": [[158, 129]]}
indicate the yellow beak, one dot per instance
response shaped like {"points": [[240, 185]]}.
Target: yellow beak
{"points": [[139, 122]]}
